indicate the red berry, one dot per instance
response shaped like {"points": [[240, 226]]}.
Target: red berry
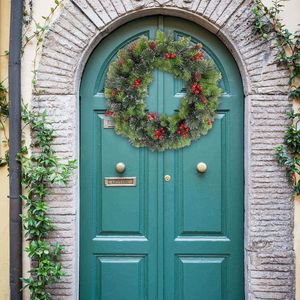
{"points": [[152, 116], [159, 133], [209, 122], [182, 130], [108, 113], [196, 88], [137, 82], [199, 55]]}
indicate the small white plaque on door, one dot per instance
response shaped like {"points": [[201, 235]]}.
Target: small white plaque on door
{"points": [[108, 122]]}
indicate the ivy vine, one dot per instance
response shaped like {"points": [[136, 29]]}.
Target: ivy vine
{"points": [[41, 168], [267, 22]]}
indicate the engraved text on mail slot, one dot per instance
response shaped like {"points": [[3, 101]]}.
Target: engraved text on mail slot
{"points": [[120, 181]]}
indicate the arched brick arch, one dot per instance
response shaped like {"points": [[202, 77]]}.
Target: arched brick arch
{"points": [[80, 27]]}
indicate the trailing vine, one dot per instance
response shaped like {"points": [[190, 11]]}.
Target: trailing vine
{"points": [[267, 23], [40, 169], [38, 36]]}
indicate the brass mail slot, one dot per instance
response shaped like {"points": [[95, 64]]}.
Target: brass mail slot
{"points": [[120, 181]]}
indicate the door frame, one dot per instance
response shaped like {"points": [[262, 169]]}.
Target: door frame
{"points": [[232, 86]]}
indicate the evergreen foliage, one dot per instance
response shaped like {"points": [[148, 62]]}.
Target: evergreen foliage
{"points": [[129, 77]]}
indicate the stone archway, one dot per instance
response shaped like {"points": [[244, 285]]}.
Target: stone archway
{"points": [[268, 211]]}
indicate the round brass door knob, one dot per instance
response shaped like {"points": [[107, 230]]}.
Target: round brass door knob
{"points": [[120, 167], [201, 167]]}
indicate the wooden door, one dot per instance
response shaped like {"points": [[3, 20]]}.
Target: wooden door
{"points": [[161, 240]]}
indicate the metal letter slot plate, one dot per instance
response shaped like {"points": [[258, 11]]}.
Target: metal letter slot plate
{"points": [[108, 122], [120, 181]]}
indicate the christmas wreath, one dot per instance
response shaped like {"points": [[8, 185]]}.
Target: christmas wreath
{"points": [[129, 77]]}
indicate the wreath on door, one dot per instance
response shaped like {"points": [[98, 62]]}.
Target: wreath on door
{"points": [[128, 80]]}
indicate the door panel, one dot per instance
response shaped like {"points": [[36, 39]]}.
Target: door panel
{"points": [[191, 282], [123, 211], [126, 272], [198, 197], [158, 240]]}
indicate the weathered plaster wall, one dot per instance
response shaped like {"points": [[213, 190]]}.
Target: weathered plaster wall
{"points": [[289, 14]]}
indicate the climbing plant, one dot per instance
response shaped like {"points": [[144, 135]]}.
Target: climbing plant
{"points": [[39, 170], [41, 167], [40, 28], [267, 22]]}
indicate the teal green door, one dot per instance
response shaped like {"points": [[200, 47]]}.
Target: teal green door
{"points": [[161, 240]]}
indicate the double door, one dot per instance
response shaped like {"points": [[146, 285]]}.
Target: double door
{"points": [[161, 230]]}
